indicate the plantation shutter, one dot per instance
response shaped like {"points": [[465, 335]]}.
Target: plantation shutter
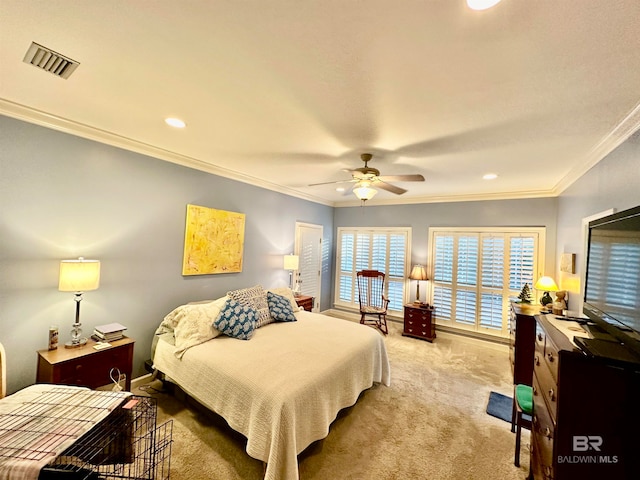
{"points": [[372, 249], [443, 275], [492, 285], [475, 272]]}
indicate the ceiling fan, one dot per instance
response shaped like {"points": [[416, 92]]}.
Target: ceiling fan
{"points": [[365, 178]]}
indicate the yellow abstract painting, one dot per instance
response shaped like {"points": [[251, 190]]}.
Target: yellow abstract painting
{"points": [[213, 241]]}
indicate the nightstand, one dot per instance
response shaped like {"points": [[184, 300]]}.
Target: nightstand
{"points": [[419, 322], [305, 302], [86, 366]]}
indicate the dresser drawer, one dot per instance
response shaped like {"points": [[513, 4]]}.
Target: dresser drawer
{"points": [[418, 322], [85, 366], [544, 433], [417, 315], [419, 329], [545, 388]]}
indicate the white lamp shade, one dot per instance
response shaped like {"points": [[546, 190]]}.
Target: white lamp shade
{"points": [[418, 272], [546, 284], [291, 262], [79, 275], [363, 190]]}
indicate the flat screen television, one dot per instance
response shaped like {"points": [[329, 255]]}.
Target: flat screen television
{"points": [[612, 277]]}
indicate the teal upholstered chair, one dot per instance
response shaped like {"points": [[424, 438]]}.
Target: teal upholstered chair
{"points": [[523, 402]]}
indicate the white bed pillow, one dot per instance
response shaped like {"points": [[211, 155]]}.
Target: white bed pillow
{"points": [[192, 324], [288, 294]]}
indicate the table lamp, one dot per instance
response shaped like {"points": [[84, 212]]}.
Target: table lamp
{"points": [[418, 273], [291, 263], [78, 276], [546, 285]]}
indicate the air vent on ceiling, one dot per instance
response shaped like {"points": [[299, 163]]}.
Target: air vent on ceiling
{"points": [[50, 61]]}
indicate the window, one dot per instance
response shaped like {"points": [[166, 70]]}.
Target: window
{"points": [[476, 271], [372, 249]]}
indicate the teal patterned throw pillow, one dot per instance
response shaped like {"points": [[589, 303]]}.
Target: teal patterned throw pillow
{"points": [[280, 308], [236, 320]]}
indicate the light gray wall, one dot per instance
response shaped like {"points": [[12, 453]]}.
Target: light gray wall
{"points": [[539, 212], [612, 183], [62, 197]]}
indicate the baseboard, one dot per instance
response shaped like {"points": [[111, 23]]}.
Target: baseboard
{"points": [[136, 382]]}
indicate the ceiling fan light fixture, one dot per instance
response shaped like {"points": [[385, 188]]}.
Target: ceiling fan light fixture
{"points": [[364, 192], [490, 176]]}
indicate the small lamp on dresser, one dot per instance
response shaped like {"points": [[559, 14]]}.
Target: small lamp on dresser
{"points": [[78, 276], [418, 273], [546, 285]]}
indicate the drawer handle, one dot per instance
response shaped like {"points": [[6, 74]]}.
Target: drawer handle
{"points": [[539, 337], [550, 357], [552, 395], [535, 391], [537, 360], [547, 432], [424, 325], [535, 420], [424, 333]]}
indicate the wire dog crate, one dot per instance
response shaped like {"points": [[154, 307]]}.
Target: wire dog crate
{"points": [[125, 445]]}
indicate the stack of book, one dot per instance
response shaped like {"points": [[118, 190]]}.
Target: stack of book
{"points": [[109, 332]]}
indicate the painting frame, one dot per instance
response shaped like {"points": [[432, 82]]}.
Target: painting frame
{"points": [[213, 241]]}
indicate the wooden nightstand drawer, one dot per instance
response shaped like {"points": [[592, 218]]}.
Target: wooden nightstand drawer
{"points": [[305, 302], [85, 366], [419, 322]]}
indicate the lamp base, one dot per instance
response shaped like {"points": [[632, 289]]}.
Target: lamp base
{"points": [[79, 343]]}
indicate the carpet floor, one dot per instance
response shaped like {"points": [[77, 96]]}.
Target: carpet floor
{"points": [[430, 424]]}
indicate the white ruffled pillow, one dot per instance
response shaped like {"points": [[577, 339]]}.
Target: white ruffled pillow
{"points": [[192, 324]]}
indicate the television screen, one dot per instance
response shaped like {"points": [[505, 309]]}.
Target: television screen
{"points": [[612, 279]]}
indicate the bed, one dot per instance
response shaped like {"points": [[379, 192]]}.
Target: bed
{"points": [[283, 387]]}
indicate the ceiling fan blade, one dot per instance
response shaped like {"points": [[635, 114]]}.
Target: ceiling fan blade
{"points": [[388, 187], [402, 178], [329, 183]]}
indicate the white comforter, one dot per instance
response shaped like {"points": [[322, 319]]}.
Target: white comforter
{"points": [[284, 387]]}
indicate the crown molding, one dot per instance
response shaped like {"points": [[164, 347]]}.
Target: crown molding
{"points": [[621, 132], [54, 122], [476, 197], [625, 128]]}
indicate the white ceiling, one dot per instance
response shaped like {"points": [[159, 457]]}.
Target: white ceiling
{"points": [[283, 93]]}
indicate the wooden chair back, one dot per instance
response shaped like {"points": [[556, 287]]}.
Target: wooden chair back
{"points": [[371, 290]]}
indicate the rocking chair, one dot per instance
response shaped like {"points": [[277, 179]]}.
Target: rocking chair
{"points": [[373, 303]]}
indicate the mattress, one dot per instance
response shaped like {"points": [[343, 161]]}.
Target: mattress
{"points": [[283, 388]]}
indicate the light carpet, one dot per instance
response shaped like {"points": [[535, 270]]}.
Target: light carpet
{"points": [[430, 424]]}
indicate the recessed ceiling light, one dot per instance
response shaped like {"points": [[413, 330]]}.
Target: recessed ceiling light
{"points": [[481, 4], [175, 122], [490, 176], [340, 189]]}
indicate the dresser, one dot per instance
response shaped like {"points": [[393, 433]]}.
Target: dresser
{"points": [[85, 366], [586, 415], [419, 322]]}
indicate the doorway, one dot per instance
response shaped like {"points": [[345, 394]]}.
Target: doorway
{"points": [[308, 247]]}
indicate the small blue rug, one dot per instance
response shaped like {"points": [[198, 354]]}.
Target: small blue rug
{"points": [[500, 406]]}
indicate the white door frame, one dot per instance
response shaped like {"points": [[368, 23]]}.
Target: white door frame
{"points": [[297, 246]]}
